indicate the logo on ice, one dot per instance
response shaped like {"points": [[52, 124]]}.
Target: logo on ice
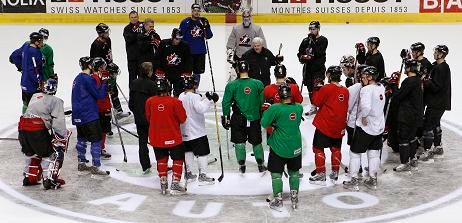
{"points": [[441, 6]]}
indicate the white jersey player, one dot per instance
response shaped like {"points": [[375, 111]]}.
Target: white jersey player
{"points": [[369, 126], [193, 131]]}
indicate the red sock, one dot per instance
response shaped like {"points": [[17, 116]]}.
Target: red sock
{"points": [[103, 141], [162, 168], [336, 158], [319, 160], [177, 169]]}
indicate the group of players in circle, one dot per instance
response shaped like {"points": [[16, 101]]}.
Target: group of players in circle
{"points": [[170, 114]]}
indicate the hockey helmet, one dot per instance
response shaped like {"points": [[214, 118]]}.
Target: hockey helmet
{"points": [[347, 61], [35, 36], [44, 32], [97, 63], [246, 18], [176, 34], [418, 47], [280, 71], [334, 73], [315, 25], [284, 91], [374, 40], [102, 28], [195, 6], [187, 82], [442, 49], [371, 71], [243, 66], [50, 86], [162, 85], [113, 69], [85, 62], [411, 64]]}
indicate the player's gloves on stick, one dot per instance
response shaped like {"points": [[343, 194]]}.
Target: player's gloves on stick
{"points": [[212, 96], [205, 23], [279, 58], [225, 122]]}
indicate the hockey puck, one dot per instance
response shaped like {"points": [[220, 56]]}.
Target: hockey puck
{"points": [[117, 170]]}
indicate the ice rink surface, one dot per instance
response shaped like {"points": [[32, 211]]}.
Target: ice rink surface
{"points": [[432, 194]]}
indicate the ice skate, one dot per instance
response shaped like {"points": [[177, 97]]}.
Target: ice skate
{"points": [[353, 184], [82, 167], [26, 182], [313, 110], [147, 171], [121, 115], [294, 199], [206, 180], [163, 185], [190, 177], [318, 179], [414, 164], [402, 167], [438, 152], [177, 189], [98, 171], [51, 184], [276, 203], [333, 176], [242, 169], [371, 183], [105, 155], [427, 156]]}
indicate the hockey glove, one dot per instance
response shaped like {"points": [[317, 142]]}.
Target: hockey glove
{"points": [[270, 100], [212, 96], [61, 142], [394, 79], [360, 53], [290, 80], [405, 54], [205, 23], [225, 122], [279, 58], [265, 106], [305, 58]]}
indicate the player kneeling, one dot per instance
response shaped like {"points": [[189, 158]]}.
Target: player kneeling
{"points": [[285, 143], [194, 132], [165, 114], [44, 151]]}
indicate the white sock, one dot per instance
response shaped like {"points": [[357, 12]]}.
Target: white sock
{"points": [[203, 162], [374, 162], [355, 162], [45, 164], [188, 159]]}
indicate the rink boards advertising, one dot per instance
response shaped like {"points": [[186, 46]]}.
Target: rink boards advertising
{"points": [[265, 11]]}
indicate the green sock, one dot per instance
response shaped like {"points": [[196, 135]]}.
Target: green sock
{"points": [[239, 149], [24, 108], [258, 152], [294, 180], [276, 179]]}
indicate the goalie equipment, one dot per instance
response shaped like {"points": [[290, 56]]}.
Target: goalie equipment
{"points": [[246, 18], [280, 71], [61, 142], [50, 86], [85, 62], [334, 73], [102, 28], [230, 56], [33, 172], [347, 61], [418, 47], [97, 63], [284, 91]]}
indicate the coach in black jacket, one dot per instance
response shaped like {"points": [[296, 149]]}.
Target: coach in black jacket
{"points": [[131, 32]]}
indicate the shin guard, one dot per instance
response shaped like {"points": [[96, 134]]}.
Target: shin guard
{"points": [[33, 170], [404, 151], [188, 160], [162, 167], [319, 160], [428, 138], [239, 149], [258, 152], [438, 133], [203, 163], [96, 153], [355, 162], [177, 169], [336, 158], [276, 181], [374, 162], [294, 180]]}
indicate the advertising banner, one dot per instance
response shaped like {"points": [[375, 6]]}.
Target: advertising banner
{"points": [[23, 6]]}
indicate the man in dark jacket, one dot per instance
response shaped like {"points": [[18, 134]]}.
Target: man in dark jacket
{"points": [[131, 32], [148, 43], [141, 89], [260, 61]]}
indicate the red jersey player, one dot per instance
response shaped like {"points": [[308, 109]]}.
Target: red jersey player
{"points": [[330, 123], [165, 114]]}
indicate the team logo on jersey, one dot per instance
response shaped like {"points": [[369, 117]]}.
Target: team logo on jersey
{"points": [[341, 97], [309, 51], [247, 90], [244, 40], [292, 116], [381, 97], [196, 32], [160, 107], [173, 59], [154, 41]]}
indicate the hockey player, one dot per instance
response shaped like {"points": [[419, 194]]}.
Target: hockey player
{"points": [[312, 54], [85, 116], [101, 47], [104, 105], [29, 61], [370, 123], [240, 40], [409, 99], [348, 65], [374, 57], [149, 41], [141, 89], [417, 53], [330, 123], [47, 51], [285, 143], [196, 30], [260, 60], [193, 130], [165, 114], [175, 59], [130, 34], [437, 99], [245, 96], [44, 151]]}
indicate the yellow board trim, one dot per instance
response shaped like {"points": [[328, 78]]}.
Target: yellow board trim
{"points": [[42, 18]]}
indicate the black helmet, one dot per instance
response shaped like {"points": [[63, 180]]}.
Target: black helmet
{"points": [[113, 69], [315, 24], [334, 73], [35, 36], [176, 34], [284, 91], [280, 71], [195, 6], [97, 63], [347, 61], [419, 47], [374, 40], [361, 67], [187, 82], [45, 33], [442, 49], [50, 86], [371, 71], [84, 62], [102, 28], [242, 66], [413, 65], [162, 85]]}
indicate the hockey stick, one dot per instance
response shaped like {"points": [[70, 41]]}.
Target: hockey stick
{"points": [[121, 92], [215, 109], [118, 130], [125, 130], [9, 139]]}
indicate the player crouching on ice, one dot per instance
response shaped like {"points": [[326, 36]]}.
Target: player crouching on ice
{"points": [[194, 132], [285, 144], [245, 96], [165, 114], [330, 123], [367, 136], [44, 151]]}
